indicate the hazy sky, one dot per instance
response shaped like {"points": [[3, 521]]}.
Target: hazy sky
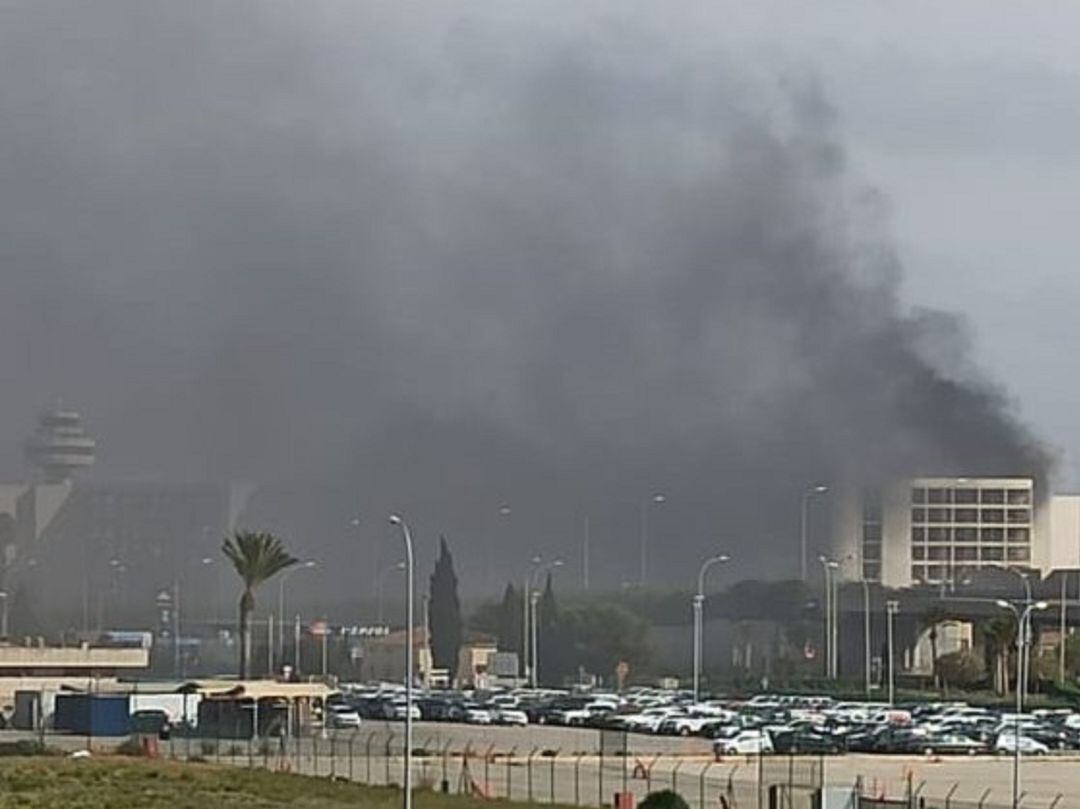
{"points": [[966, 116], [558, 254]]}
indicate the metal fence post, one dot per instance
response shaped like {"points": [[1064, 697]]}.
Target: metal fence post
{"points": [[529, 768], [315, 752], [487, 770], [949, 794], [577, 778], [389, 742], [446, 767], [510, 773], [333, 755], [367, 757], [701, 784], [675, 776], [551, 779]]}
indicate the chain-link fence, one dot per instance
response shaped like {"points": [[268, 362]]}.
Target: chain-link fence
{"points": [[608, 775], [604, 769]]}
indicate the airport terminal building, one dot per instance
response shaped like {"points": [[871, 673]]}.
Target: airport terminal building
{"points": [[937, 530]]}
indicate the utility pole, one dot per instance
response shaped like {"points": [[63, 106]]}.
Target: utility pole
{"points": [[296, 645], [891, 608]]}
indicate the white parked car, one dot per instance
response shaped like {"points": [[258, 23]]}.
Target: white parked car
{"points": [[510, 716], [744, 743], [478, 716], [1007, 742], [342, 716], [397, 711]]}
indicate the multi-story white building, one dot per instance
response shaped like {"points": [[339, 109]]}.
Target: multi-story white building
{"points": [[932, 530]]}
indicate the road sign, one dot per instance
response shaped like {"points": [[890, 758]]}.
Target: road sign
{"points": [[319, 628]]}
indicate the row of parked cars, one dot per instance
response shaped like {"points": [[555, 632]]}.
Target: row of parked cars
{"points": [[762, 724]]}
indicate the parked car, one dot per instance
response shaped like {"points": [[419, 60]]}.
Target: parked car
{"points": [[951, 743], [1007, 743], [342, 716], [745, 742]]}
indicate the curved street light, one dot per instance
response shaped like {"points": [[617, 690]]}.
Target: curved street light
{"points": [[1023, 623], [397, 520], [534, 599], [699, 604]]}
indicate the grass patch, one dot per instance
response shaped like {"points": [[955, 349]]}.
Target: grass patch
{"points": [[117, 783]]}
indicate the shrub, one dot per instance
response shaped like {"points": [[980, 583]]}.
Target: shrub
{"points": [[665, 799]]}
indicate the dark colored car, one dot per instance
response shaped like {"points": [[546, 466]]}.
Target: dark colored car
{"points": [[806, 741], [151, 722]]}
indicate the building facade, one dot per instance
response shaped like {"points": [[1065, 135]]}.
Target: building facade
{"points": [[933, 530]]}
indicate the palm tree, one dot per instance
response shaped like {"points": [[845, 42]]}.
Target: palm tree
{"points": [[999, 634], [257, 557], [932, 616]]}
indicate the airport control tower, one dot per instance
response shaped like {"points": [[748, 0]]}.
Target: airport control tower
{"points": [[60, 446]]}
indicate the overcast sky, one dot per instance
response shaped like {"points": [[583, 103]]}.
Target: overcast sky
{"points": [[967, 116], [555, 253]]}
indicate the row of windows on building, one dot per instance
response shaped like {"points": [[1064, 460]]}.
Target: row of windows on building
{"points": [[971, 553], [970, 515], [941, 533], [966, 496]]}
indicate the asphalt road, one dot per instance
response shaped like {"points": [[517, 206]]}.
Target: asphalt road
{"points": [[546, 762]]}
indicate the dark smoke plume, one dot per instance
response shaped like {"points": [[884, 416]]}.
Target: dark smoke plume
{"points": [[390, 256]]}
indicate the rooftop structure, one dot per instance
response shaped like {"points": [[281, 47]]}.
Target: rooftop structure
{"points": [[60, 446]]}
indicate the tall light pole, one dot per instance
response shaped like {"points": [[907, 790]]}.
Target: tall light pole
{"points": [[534, 599], [699, 604], [1023, 620], [407, 537], [1062, 629], [828, 566], [526, 588], [310, 563], [4, 615], [866, 633], [803, 517], [643, 572], [891, 608], [380, 587]]}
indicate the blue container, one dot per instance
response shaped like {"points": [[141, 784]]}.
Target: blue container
{"points": [[93, 714]]}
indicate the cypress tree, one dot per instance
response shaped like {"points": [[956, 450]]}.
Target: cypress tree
{"points": [[510, 621], [445, 623]]}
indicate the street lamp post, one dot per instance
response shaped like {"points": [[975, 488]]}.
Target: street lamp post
{"points": [[803, 519], [310, 563], [699, 604], [866, 634], [534, 600], [891, 608], [407, 537], [1023, 622], [829, 566], [643, 573], [4, 614], [526, 588]]}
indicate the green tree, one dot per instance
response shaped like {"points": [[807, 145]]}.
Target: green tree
{"points": [[444, 617], [999, 634], [597, 636], [510, 620], [931, 618], [664, 799], [961, 669], [257, 557]]}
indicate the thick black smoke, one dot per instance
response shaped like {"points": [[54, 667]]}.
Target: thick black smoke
{"points": [[389, 256]]}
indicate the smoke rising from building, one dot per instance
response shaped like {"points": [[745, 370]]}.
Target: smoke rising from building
{"points": [[400, 257]]}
